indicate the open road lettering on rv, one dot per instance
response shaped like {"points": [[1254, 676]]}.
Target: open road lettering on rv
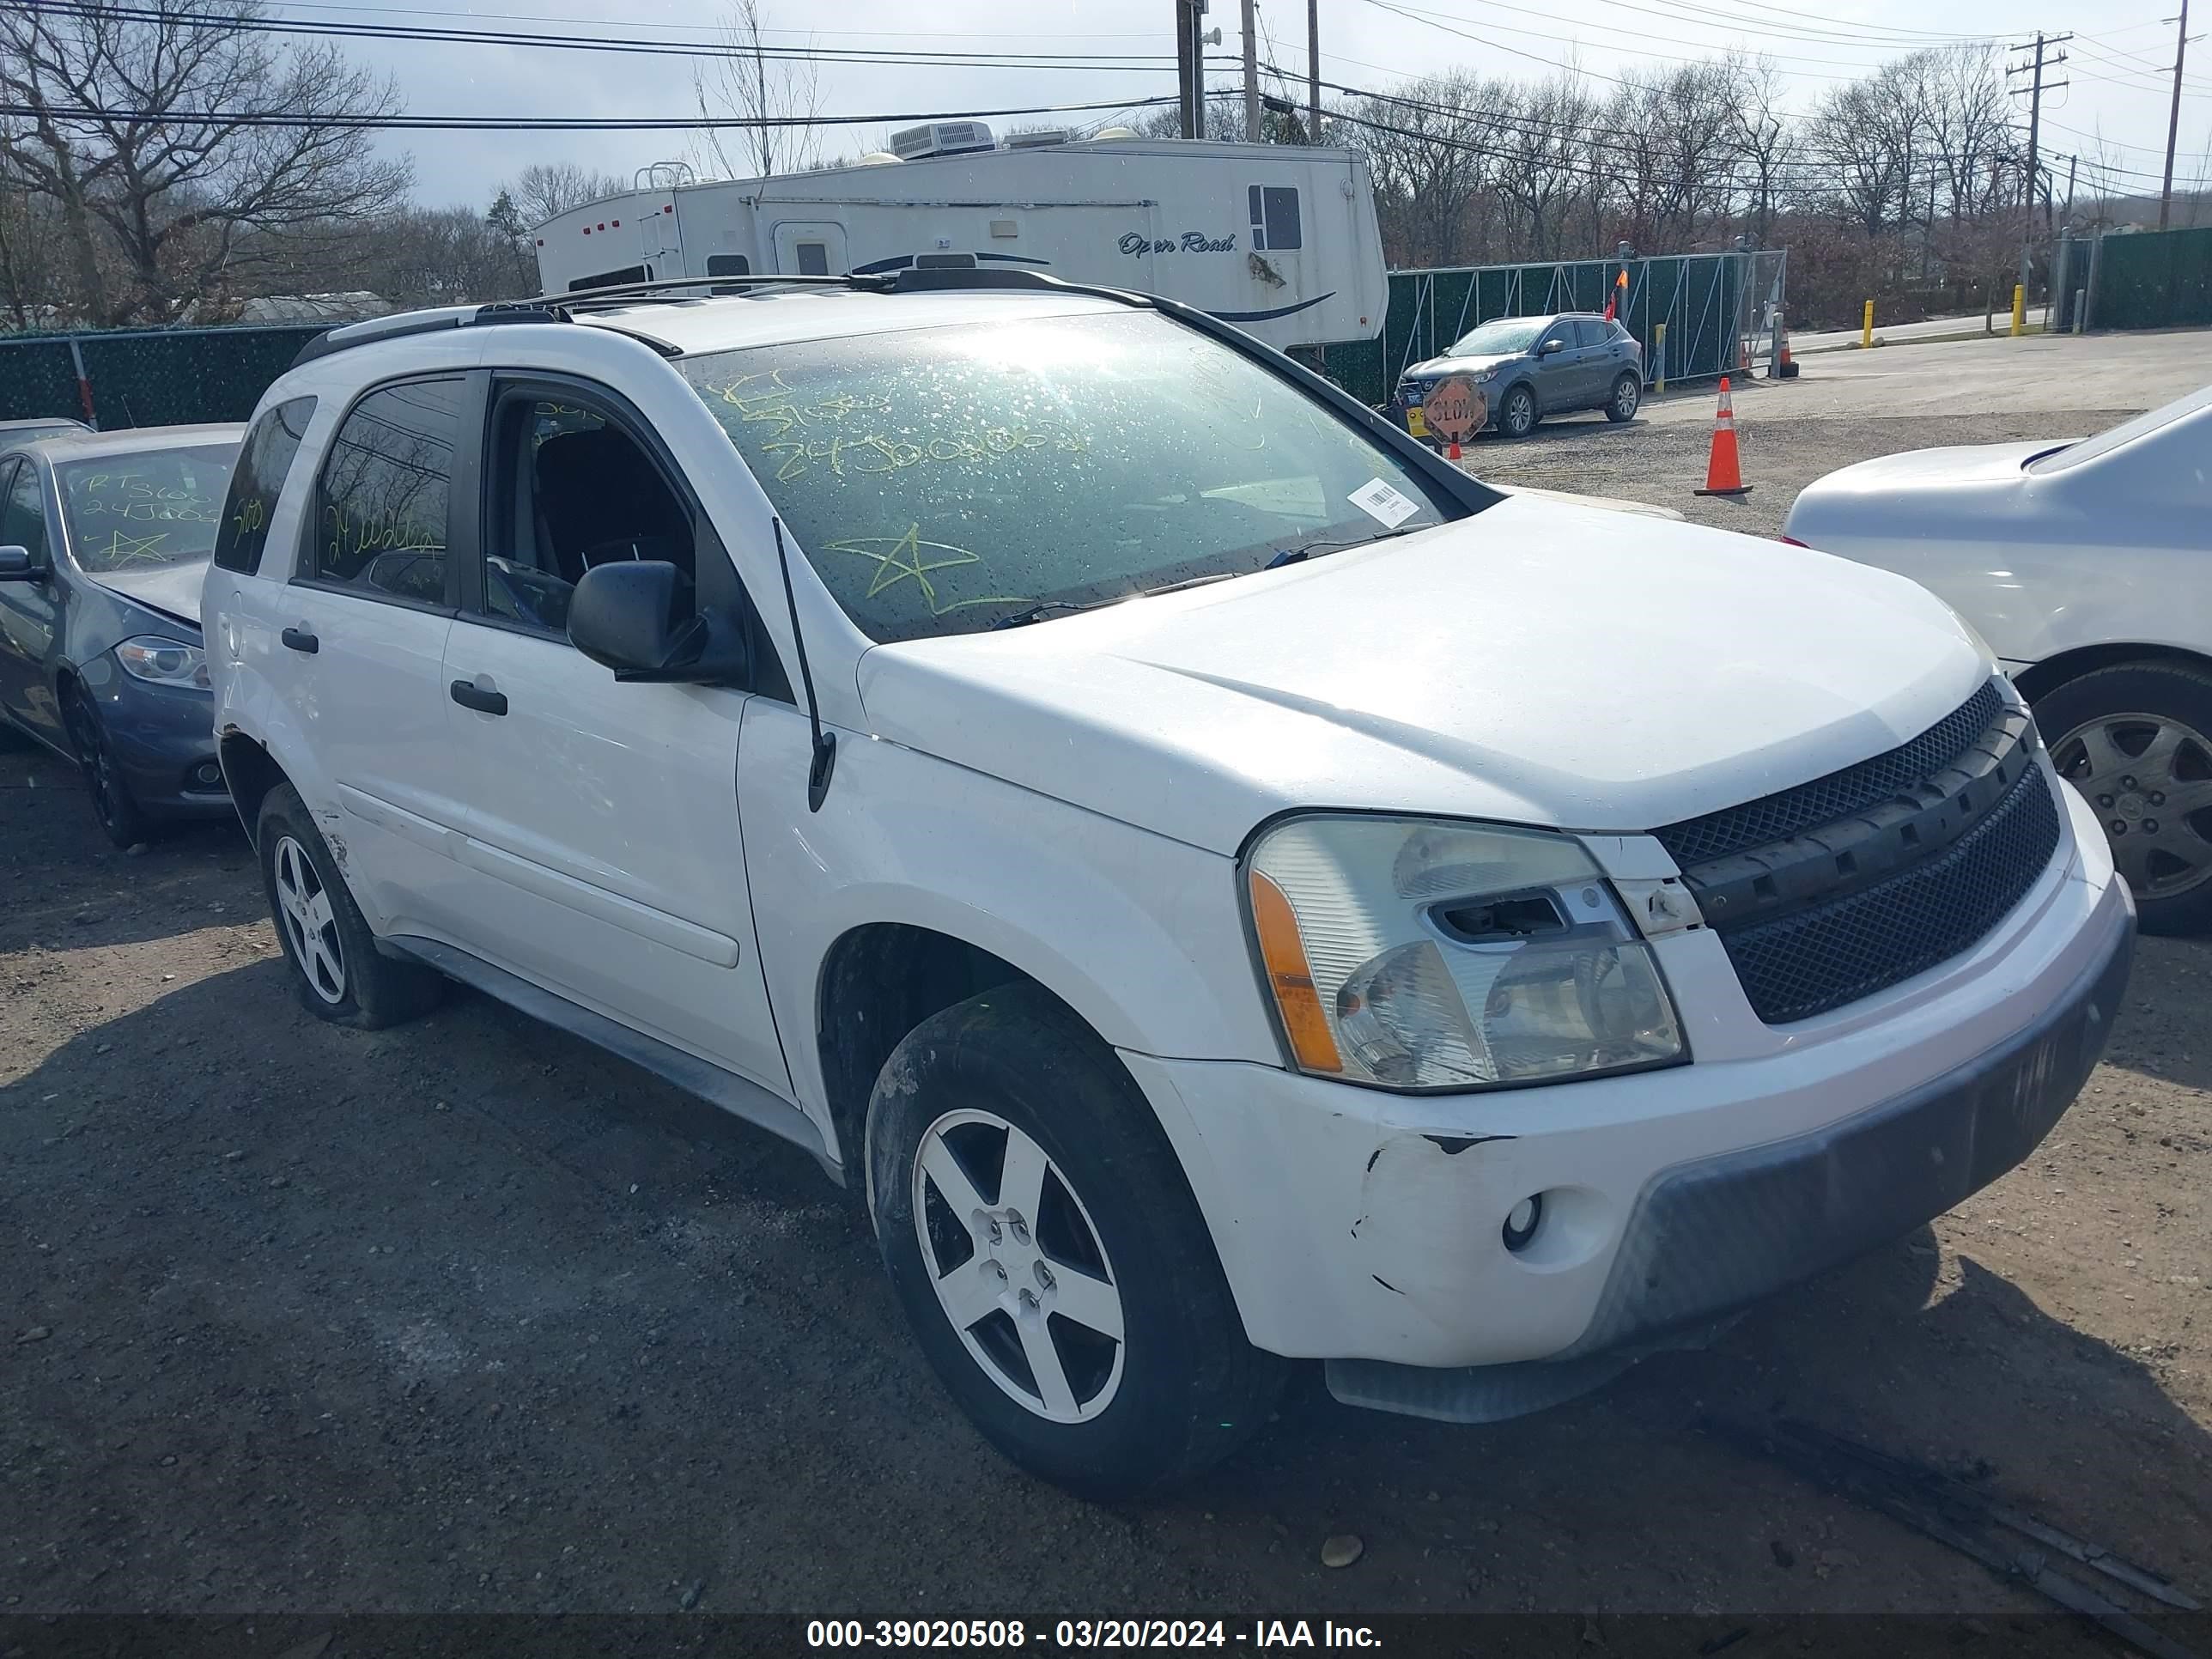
{"points": [[1192, 241]]}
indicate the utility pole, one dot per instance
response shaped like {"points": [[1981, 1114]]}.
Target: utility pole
{"points": [[2044, 55], [1190, 65], [2173, 119], [1251, 71], [1313, 72]]}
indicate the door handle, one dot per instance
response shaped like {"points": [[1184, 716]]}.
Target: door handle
{"points": [[469, 695], [300, 640]]}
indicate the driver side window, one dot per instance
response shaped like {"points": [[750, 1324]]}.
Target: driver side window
{"points": [[23, 521], [571, 488]]}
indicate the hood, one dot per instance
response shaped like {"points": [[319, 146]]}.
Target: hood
{"points": [[1537, 663], [172, 589], [1437, 369], [1966, 465]]}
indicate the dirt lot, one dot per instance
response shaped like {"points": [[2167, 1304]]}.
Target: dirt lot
{"points": [[466, 1316]]}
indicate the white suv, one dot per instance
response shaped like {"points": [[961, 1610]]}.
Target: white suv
{"points": [[1231, 887]]}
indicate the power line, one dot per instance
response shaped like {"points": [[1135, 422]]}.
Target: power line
{"points": [[538, 124], [1137, 63]]}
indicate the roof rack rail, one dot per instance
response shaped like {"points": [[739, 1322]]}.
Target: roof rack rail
{"points": [[563, 307]]}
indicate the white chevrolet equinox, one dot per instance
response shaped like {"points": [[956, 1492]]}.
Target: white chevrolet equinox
{"points": [[1228, 886]]}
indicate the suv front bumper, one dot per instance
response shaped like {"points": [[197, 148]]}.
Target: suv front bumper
{"points": [[1365, 1229]]}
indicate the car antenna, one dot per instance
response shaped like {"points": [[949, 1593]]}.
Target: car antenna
{"points": [[825, 743]]}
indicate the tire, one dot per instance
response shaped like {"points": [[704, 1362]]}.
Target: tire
{"points": [[1518, 415], [1626, 398], [120, 814], [1011, 1072], [2137, 740], [335, 965]]}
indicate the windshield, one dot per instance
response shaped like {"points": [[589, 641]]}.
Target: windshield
{"points": [[943, 479], [2127, 432], [161, 507], [1497, 339]]}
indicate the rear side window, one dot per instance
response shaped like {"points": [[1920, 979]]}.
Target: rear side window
{"points": [[381, 509], [1589, 332], [263, 462]]}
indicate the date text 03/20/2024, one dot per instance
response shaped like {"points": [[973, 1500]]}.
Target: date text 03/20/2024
{"points": [[1083, 1633]]}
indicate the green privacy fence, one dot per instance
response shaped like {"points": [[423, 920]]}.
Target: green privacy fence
{"points": [[1713, 305], [2143, 279], [146, 377]]}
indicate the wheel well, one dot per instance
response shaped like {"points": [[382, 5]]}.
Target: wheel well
{"points": [[250, 773], [877, 984], [2042, 679]]}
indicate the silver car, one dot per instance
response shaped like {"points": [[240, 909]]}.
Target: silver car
{"points": [[1527, 368]]}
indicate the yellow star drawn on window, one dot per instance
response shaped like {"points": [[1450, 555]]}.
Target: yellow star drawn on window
{"points": [[129, 549], [906, 561]]}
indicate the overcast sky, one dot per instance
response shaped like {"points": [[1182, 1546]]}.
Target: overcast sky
{"points": [[2119, 86]]}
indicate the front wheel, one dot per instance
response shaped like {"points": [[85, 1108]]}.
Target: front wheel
{"points": [[2137, 741], [113, 803], [1517, 415], [1627, 396], [1040, 1234]]}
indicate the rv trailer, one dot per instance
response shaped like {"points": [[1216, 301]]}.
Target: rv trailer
{"points": [[1279, 239]]}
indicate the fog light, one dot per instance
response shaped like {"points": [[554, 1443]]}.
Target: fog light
{"points": [[208, 775], [1522, 1220]]}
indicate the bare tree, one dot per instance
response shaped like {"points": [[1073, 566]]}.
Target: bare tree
{"points": [[545, 188], [1766, 141], [745, 79], [159, 213]]}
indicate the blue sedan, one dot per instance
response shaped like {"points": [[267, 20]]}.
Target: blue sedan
{"points": [[103, 537]]}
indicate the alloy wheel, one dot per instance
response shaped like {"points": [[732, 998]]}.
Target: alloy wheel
{"points": [[304, 911], [1625, 398], [2149, 778], [1017, 1266]]}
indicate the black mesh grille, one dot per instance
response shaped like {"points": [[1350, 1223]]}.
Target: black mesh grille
{"points": [[1804, 964], [1777, 816]]}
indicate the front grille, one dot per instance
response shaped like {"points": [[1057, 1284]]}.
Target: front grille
{"points": [[1777, 816], [1820, 958]]}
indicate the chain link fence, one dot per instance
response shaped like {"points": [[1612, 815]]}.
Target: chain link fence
{"points": [[1716, 309], [145, 377], [2135, 279]]}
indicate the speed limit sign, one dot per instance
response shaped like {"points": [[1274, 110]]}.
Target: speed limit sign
{"points": [[1455, 410]]}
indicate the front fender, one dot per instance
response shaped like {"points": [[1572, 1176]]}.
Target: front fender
{"points": [[1140, 934]]}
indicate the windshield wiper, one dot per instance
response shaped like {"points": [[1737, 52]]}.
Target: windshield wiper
{"points": [[1044, 608], [1305, 550]]}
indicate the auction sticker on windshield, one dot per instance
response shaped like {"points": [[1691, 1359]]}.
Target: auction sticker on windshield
{"points": [[1386, 506]]}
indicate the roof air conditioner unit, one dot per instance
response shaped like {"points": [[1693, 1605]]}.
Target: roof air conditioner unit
{"points": [[941, 138]]}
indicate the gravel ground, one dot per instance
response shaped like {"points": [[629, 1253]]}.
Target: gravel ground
{"points": [[467, 1316]]}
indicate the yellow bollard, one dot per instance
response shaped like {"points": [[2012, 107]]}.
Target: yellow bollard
{"points": [[1659, 351], [1866, 328], [2019, 307]]}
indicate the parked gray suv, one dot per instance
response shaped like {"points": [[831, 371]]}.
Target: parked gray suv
{"points": [[1527, 367]]}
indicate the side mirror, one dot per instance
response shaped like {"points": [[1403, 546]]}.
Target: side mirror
{"points": [[16, 565], [636, 618], [1551, 346]]}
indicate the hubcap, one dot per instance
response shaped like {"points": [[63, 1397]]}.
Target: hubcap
{"points": [[303, 909], [1624, 399], [2150, 780], [1520, 412], [1017, 1266]]}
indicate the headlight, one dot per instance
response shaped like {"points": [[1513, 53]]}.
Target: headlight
{"points": [[1426, 954], [1478, 375], [165, 662]]}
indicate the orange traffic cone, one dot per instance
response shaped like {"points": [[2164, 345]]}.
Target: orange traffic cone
{"points": [[1723, 477], [1452, 455]]}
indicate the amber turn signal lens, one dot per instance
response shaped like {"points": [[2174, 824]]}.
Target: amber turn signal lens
{"points": [[1284, 956]]}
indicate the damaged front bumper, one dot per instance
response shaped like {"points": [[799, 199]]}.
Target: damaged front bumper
{"points": [[1366, 1229]]}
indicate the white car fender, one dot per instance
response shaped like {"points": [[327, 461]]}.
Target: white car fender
{"points": [[1141, 935]]}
